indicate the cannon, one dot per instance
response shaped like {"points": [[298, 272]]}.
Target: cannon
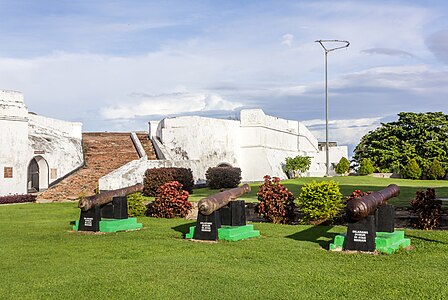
{"points": [[359, 208], [112, 207], [86, 203], [208, 205], [371, 224], [220, 209]]}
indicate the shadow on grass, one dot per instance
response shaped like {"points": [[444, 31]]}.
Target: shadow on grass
{"points": [[425, 239], [316, 234], [184, 228]]}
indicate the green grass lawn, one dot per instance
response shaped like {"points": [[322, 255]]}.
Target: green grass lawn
{"points": [[41, 259], [348, 184]]}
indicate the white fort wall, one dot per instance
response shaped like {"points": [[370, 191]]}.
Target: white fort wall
{"points": [[53, 146], [268, 141], [59, 143], [257, 143], [65, 128], [199, 138], [13, 143]]}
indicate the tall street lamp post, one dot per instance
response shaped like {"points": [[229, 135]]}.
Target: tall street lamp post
{"points": [[327, 50]]}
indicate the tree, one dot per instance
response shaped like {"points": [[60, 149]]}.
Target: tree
{"points": [[435, 170], [298, 163], [412, 170], [423, 136], [343, 166], [365, 167]]}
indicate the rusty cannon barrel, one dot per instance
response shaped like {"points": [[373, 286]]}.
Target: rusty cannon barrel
{"points": [[360, 208], [87, 203], [208, 205]]}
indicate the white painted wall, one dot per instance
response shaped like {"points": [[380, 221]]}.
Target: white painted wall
{"points": [[14, 142], [152, 128], [58, 142], [64, 128], [267, 142], [212, 141], [258, 144], [134, 171], [318, 166], [55, 144]]}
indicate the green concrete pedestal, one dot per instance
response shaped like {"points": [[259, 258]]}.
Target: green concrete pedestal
{"points": [[231, 233], [114, 225], [385, 242]]}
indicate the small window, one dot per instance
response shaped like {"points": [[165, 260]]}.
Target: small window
{"points": [[53, 173], [7, 172]]}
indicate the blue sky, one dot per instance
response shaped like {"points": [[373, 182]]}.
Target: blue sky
{"points": [[114, 65]]}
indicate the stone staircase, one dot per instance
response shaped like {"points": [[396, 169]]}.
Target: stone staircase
{"points": [[103, 153], [147, 145]]}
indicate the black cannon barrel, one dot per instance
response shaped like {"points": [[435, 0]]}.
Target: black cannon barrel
{"points": [[208, 205], [102, 198], [360, 208]]}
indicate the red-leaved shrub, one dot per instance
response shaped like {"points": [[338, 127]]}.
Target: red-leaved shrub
{"points": [[156, 177], [427, 209], [223, 177], [276, 202], [17, 198], [171, 201], [357, 194]]}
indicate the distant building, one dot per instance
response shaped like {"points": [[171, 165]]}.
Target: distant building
{"points": [[35, 151], [257, 143]]}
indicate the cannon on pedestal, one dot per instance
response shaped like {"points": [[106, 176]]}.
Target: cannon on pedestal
{"points": [[371, 224], [359, 208], [107, 211], [222, 216]]}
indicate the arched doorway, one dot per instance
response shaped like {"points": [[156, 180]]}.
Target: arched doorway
{"points": [[224, 165], [37, 175], [33, 176]]}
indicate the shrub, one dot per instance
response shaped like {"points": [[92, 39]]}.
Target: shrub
{"points": [[17, 198], [435, 170], [365, 167], [298, 163], [223, 177], [276, 202], [428, 209], [343, 166], [357, 194], [412, 170], [319, 201], [171, 201], [136, 204], [154, 178]]}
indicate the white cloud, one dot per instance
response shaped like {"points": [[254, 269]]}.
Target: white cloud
{"points": [[287, 39], [186, 65], [169, 104], [409, 78], [345, 132], [386, 51]]}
